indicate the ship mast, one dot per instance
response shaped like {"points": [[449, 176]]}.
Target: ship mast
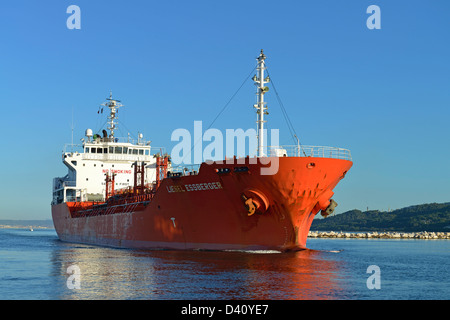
{"points": [[113, 106], [261, 108]]}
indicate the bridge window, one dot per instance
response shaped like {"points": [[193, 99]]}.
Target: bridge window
{"points": [[118, 150]]}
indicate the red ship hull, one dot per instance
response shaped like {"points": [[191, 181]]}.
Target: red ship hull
{"points": [[210, 210]]}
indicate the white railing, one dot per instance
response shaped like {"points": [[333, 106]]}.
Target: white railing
{"points": [[60, 183], [309, 151], [69, 184], [72, 148], [129, 139], [185, 170], [115, 157]]}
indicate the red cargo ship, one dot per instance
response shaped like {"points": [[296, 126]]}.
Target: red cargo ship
{"points": [[118, 194]]}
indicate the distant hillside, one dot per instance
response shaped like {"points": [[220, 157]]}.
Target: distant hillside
{"points": [[426, 217], [27, 223]]}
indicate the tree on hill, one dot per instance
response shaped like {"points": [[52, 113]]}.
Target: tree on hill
{"points": [[426, 217]]}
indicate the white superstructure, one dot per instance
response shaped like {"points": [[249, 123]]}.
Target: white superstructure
{"points": [[101, 155]]}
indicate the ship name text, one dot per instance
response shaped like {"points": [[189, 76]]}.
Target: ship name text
{"points": [[195, 187]]}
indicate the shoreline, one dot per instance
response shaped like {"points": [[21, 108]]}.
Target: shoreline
{"points": [[3, 226], [333, 234], [380, 235]]}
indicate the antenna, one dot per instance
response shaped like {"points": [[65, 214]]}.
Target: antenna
{"points": [[72, 129]]}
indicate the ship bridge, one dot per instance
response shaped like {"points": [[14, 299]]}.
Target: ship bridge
{"points": [[102, 156], [117, 151]]}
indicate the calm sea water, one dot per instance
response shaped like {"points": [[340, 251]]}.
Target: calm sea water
{"points": [[34, 265]]}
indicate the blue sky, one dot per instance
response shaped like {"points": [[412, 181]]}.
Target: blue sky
{"points": [[384, 94]]}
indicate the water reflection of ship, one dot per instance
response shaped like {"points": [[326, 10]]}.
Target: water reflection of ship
{"points": [[134, 274], [304, 275]]}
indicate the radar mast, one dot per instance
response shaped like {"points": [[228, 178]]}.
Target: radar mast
{"points": [[113, 106], [261, 108]]}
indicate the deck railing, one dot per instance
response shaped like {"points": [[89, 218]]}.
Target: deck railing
{"points": [[309, 151], [116, 157]]}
